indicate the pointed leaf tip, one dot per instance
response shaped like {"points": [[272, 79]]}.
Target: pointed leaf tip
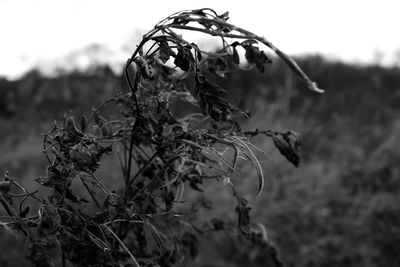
{"points": [[314, 87]]}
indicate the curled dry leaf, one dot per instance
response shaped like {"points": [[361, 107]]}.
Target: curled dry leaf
{"points": [[288, 144]]}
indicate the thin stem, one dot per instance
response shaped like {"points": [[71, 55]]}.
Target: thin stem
{"points": [[6, 207], [10, 210], [257, 132], [128, 173], [152, 46], [97, 109], [142, 168], [249, 35], [24, 194], [98, 182]]}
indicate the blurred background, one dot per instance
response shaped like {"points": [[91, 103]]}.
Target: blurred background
{"points": [[341, 207]]}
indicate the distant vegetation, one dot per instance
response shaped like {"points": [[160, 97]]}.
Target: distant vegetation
{"points": [[341, 208]]}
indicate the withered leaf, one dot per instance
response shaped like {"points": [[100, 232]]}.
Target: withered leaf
{"points": [[165, 51], [288, 144], [211, 99], [49, 220], [184, 59], [257, 57], [24, 212], [224, 16], [144, 68], [235, 55]]}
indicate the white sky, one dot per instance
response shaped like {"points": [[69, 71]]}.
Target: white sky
{"points": [[35, 32]]}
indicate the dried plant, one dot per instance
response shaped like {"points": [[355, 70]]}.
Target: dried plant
{"points": [[159, 154]]}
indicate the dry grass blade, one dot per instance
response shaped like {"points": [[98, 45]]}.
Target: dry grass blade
{"points": [[156, 234], [254, 160], [122, 244], [178, 172], [179, 192], [98, 242], [5, 226]]}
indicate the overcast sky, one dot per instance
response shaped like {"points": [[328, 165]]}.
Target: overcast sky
{"points": [[36, 32]]}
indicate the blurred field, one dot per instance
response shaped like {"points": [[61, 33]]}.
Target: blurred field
{"points": [[341, 207]]}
